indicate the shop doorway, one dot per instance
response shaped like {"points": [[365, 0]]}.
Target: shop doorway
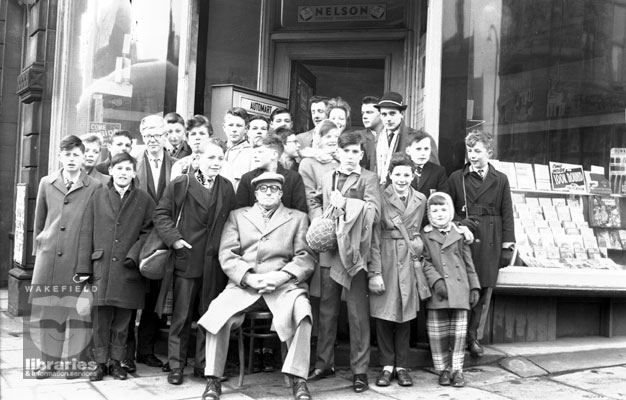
{"points": [[349, 78], [350, 69]]}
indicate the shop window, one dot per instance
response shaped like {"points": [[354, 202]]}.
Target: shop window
{"points": [[547, 78], [118, 63], [232, 54]]}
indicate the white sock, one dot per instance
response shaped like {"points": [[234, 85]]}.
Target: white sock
{"points": [[388, 368]]}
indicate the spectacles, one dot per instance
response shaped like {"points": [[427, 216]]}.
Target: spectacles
{"points": [[152, 137], [272, 188]]}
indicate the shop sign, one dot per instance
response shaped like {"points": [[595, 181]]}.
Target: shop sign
{"points": [[256, 106], [20, 223], [342, 13], [104, 130], [567, 177]]}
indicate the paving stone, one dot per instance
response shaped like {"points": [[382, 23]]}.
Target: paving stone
{"points": [[14, 378], [610, 382], [80, 391], [445, 393], [523, 367], [486, 375], [554, 363], [539, 388]]}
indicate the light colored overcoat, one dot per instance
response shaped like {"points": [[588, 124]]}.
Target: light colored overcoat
{"points": [[400, 301], [58, 217], [247, 244]]}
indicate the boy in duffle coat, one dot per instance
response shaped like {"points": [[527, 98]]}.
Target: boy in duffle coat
{"points": [[114, 228], [450, 273]]}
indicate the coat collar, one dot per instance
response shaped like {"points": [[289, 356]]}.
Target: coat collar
{"points": [[281, 216], [490, 180], [59, 183], [444, 240]]}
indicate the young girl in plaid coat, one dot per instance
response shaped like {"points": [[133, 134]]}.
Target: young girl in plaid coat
{"points": [[451, 275]]}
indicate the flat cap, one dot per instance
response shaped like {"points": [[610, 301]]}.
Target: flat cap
{"points": [[268, 177]]}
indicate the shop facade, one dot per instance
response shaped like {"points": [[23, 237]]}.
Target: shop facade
{"points": [[547, 78]]}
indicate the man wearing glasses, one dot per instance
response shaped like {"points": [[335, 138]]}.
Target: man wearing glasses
{"points": [[264, 253], [154, 168]]}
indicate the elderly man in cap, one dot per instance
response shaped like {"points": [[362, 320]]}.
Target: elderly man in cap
{"points": [[264, 253], [394, 135]]}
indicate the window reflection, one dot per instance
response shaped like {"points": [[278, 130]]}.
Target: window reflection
{"points": [[546, 77], [122, 64]]}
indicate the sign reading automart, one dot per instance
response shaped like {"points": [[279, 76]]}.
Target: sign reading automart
{"points": [[256, 106], [342, 13]]}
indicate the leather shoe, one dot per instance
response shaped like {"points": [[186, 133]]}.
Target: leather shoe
{"points": [[117, 371], [166, 367], [175, 377], [198, 372], [359, 383], [268, 361], [129, 365], [476, 350], [150, 360], [404, 378], [300, 390], [99, 372], [384, 379], [457, 379], [213, 389], [257, 362], [318, 374], [444, 378]]}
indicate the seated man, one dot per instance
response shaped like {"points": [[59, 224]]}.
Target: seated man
{"points": [[264, 253]]}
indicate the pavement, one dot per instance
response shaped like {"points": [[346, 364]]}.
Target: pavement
{"points": [[571, 369]]}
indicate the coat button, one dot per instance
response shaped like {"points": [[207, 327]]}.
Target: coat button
{"points": [[458, 279], [62, 228], [114, 259], [441, 251], [66, 202], [446, 276], [117, 241], [263, 238], [60, 253], [443, 263]]}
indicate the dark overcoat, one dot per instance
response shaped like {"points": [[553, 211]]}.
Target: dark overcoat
{"points": [[400, 301], [490, 202], [58, 216], [205, 246], [293, 189], [113, 230], [449, 258]]}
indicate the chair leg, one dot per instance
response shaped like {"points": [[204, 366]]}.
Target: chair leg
{"points": [[251, 349], [242, 358]]}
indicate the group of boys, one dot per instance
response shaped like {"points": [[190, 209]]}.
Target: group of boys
{"points": [[262, 249]]}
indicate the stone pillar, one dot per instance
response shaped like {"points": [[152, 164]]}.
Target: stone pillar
{"points": [[34, 87]]}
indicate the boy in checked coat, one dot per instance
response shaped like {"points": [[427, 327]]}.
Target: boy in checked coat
{"points": [[114, 228], [450, 273]]}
